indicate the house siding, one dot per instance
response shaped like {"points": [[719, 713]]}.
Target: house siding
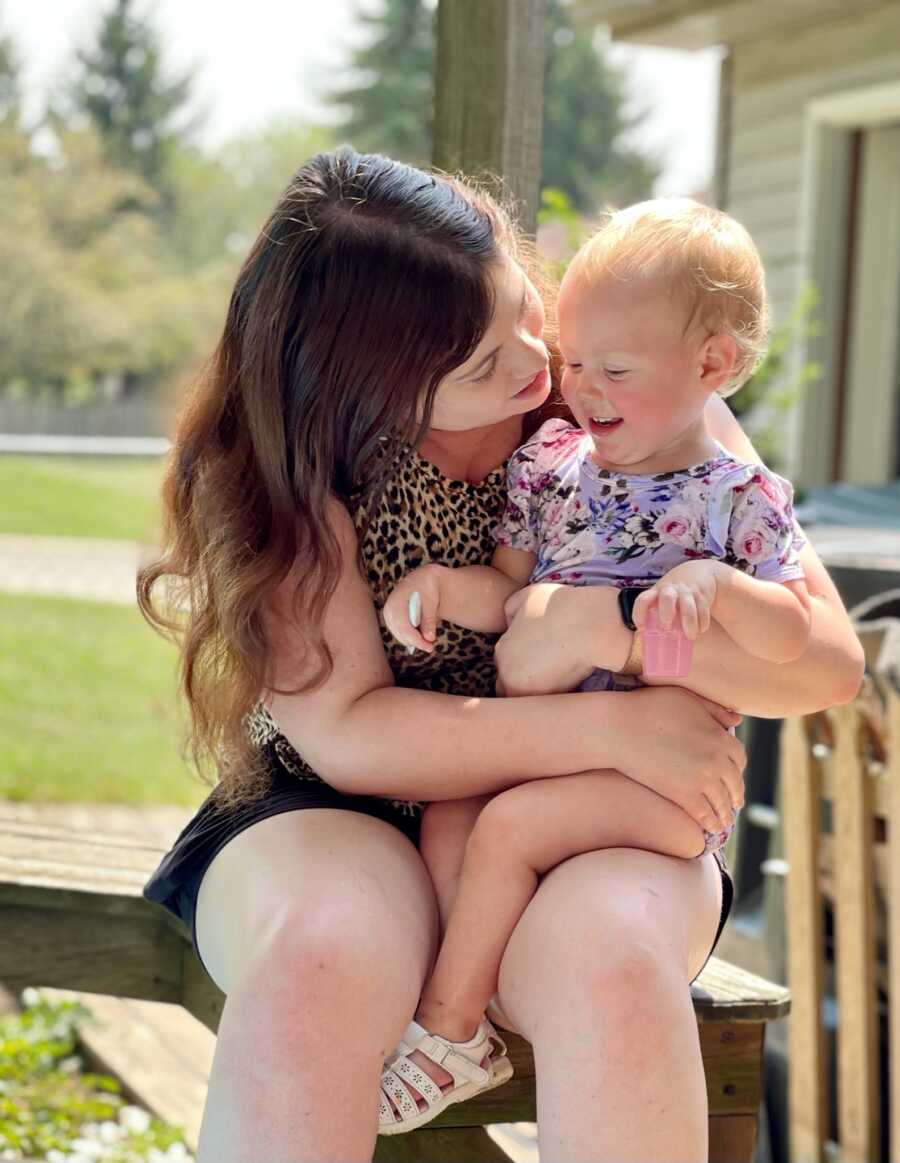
{"points": [[772, 82]]}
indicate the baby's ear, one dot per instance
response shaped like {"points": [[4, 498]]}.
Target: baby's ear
{"points": [[717, 359]]}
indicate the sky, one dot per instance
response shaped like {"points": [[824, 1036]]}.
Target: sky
{"points": [[253, 61]]}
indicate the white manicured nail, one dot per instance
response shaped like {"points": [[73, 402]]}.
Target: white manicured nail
{"points": [[414, 612]]}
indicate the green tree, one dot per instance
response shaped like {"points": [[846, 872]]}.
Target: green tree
{"points": [[122, 87], [389, 100], [224, 199], [89, 289], [10, 86], [583, 152]]}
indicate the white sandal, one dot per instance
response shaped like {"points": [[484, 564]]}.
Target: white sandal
{"points": [[402, 1079]]}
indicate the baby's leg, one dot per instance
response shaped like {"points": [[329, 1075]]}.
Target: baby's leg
{"points": [[446, 827], [519, 835]]}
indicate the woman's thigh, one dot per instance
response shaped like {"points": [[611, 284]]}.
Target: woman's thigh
{"points": [[609, 917], [315, 887]]}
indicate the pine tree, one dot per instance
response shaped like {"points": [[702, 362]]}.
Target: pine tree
{"points": [[10, 87], [123, 89], [390, 103], [390, 100], [585, 120]]}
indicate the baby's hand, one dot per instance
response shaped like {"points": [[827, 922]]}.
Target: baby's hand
{"points": [[424, 581], [685, 594]]}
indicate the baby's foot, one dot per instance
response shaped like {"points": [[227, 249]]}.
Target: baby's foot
{"points": [[428, 1073]]}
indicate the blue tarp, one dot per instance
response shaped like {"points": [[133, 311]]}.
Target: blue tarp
{"points": [[873, 506]]}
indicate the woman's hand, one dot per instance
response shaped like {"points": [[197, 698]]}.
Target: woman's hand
{"points": [[426, 582], [554, 632], [679, 745]]}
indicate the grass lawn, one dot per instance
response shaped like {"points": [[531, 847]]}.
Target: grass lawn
{"points": [[65, 496], [87, 706]]}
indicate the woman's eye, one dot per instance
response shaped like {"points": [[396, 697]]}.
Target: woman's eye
{"points": [[485, 375]]}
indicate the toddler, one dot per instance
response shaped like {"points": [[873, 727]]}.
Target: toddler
{"points": [[662, 307]]}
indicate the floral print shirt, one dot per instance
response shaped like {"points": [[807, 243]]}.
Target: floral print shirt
{"points": [[589, 526]]}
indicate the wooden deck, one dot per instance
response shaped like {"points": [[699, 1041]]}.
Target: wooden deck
{"points": [[160, 1052]]}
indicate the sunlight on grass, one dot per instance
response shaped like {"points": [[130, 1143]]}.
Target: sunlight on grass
{"points": [[87, 706], [110, 497]]}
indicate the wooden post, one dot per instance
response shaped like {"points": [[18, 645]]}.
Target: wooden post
{"points": [[800, 785], [892, 778], [854, 930], [489, 94]]}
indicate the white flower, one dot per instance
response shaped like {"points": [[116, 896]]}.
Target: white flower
{"points": [[30, 997], [54, 1156], [580, 548], [70, 1065], [110, 1132], [90, 1148], [135, 1119], [694, 495]]}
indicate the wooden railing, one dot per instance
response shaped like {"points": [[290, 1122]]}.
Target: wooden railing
{"points": [[844, 763]]}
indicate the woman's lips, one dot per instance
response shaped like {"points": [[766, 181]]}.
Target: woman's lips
{"points": [[534, 386]]}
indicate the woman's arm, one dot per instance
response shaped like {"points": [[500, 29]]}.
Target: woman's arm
{"points": [[472, 596], [831, 669], [581, 625], [366, 736]]}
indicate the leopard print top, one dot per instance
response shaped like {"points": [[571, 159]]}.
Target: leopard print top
{"points": [[421, 516]]}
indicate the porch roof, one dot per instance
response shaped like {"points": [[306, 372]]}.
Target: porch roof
{"points": [[692, 24]]}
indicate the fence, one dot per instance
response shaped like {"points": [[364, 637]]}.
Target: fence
{"points": [[137, 416], [845, 764]]}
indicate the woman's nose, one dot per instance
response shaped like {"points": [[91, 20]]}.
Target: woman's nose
{"points": [[534, 353], [532, 341]]}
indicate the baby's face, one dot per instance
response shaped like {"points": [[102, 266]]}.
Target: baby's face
{"points": [[633, 371]]}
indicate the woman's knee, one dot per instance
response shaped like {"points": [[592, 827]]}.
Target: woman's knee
{"points": [[348, 896], [604, 925]]}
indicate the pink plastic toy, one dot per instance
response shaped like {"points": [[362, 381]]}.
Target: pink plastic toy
{"points": [[667, 653]]}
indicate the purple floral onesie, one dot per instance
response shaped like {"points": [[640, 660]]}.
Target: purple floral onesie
{"points": [[589, 526]]}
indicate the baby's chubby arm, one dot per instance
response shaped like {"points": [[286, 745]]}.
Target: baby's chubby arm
{"points": [[770, 620], [473, 596]]}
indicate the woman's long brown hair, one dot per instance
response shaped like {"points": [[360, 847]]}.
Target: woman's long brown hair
{"points": [[367, 285]]}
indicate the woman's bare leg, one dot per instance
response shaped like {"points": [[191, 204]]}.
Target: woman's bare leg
{"points": [[596, 976], [320, 926], [518, 836]]}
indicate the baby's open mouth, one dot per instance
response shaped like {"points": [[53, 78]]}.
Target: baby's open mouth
{"points": [[602, 424]]}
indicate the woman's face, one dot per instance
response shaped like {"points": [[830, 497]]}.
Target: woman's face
{"points": [[507, 374]]}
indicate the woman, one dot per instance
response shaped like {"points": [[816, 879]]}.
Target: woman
{"points": [[382, 357]]}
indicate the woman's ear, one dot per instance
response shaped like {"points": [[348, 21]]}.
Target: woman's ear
{"points": [[717, 359]]}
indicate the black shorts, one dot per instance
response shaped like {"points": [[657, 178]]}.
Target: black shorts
{"points": [[176, 882], [727, 900]]}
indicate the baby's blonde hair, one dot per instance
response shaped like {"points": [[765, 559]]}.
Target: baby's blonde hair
{"points": [[703, 254]]}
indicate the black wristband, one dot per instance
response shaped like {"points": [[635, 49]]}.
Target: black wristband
{"points": [[627, 596]]}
